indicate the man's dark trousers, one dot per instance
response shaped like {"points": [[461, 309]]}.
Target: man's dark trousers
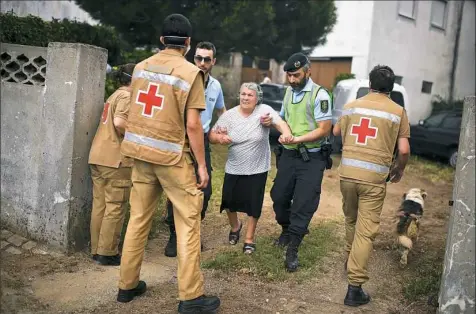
{"points": [[207, 192], [297, 189]]}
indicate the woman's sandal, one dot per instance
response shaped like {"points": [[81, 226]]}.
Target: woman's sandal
{"points": [[234, 236], [249, 248]]}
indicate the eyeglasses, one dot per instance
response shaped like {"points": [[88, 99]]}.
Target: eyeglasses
{"points": [[205, 59]]}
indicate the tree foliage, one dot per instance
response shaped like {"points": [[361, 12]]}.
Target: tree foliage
{"points": [[258, 28], [32, 30]]}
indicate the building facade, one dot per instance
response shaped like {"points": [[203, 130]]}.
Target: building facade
{"points": [[429, 44]]}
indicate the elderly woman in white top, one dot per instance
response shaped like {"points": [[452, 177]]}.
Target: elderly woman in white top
{"points": [[249, 159]]}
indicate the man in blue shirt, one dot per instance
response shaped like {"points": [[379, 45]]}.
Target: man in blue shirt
{"points": [[307, 108], [205, 58]]}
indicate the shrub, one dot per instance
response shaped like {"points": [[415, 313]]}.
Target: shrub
{"points": [[136, 55], [440, 104], [342, 76], [33, 31]]}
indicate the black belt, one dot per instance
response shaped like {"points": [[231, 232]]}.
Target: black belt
{"points": [[295, 153]]}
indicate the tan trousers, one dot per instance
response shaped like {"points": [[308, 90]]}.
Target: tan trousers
{"points": [[111, 189], [362, 205], [179, 184]]}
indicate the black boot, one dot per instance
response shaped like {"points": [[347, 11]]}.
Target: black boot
{"points": [[283, 239], [356, 296], [125, 296], [171, 247], [104, 260], [203, 304], [292, 262]]}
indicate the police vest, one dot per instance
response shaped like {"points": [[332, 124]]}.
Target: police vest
{"points": [[300, 116], [156, 130], [369, 128]]}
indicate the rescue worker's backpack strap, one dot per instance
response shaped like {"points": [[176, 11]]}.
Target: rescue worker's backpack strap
{"points": [[286, 101]]}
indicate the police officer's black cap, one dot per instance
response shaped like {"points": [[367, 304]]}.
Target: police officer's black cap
{"points": [[295, 62]]}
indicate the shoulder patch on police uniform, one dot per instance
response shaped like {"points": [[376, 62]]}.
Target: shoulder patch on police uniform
{"points": [[324, 106]]}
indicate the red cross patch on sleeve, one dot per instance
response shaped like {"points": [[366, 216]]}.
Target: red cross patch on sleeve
{"points": [[105, 113]]}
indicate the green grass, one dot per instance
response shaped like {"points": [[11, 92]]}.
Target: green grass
{"points": [[268, 261], [424, 278], [434, 171]]}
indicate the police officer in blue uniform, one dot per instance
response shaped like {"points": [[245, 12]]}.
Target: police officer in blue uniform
{"points": [[205, 58], [307, 108]]}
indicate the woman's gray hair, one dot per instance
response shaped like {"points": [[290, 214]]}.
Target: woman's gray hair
{"points": [[257, 88]]}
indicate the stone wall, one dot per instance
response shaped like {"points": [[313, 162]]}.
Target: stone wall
{"points": [[47, 130]]}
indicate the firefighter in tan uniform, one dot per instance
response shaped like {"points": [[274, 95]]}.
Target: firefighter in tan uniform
{"points": [[163, 129], [111, 173], [371, 128]]}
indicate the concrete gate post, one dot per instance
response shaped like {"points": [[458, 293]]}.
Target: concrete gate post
{"points": [[457, 290]]}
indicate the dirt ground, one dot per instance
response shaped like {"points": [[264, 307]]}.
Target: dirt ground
{"points": [[73, 284]]}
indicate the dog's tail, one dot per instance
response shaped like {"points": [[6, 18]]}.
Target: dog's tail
{"points": [[405, 241]]}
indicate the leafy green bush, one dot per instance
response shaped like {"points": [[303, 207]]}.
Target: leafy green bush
{"points": [[33, 31], [342, 76], [439, 104], [136, 55], [110, 87]]}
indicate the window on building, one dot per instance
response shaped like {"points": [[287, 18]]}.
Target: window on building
{"points": [[247, 62], [263, 64], [426, 87], [439, 10], [398, 79], [407, 8]]}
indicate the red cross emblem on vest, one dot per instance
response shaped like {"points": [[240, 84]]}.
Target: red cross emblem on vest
{"points": [[363, 131], [150, 100]]}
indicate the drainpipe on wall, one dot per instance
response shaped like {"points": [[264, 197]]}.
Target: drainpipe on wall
{"points": [[459, 19]]}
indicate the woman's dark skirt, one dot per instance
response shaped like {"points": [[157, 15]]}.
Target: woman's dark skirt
{"points": [[244, 194]]}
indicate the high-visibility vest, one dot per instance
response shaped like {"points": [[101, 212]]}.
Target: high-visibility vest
{"points": [[300, 116]]}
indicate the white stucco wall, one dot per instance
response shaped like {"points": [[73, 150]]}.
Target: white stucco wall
{"points": [[414, 50], [466, 67], [48, 10], [350, 36]]}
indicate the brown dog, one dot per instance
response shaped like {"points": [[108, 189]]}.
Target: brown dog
{"points": [[409, 215]]}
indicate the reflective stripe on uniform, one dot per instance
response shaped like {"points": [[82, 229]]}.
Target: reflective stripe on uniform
{"points": [[163, 78], [365, 165], [152, 142], [372, 112]]}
